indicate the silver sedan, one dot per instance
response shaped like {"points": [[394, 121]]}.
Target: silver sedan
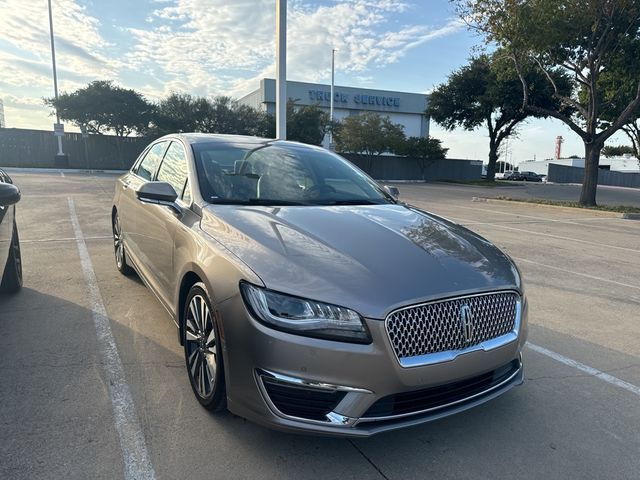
{"points": [[306, 296]]}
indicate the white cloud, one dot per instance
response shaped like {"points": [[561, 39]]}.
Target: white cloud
{"points": [[214, 47], [204, 47], [80, 53], [79, 45]]}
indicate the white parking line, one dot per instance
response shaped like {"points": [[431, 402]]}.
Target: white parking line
{"points": [[137, 463], [533, 232], [586, 369], [64, 239], [546, 219], [593, 277], [540, 222], [62, 174]]}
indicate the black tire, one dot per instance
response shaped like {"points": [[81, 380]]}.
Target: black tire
{"points": [[202, 350], [12, 276], [118, 247]]}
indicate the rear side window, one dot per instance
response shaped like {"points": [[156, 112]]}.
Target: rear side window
{"points": [[147, 168], [174, 167]]}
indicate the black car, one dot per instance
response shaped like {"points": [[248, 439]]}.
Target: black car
{"points": [[524, 177], [10, 259]]}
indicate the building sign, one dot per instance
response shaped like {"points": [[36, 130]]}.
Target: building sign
{"points": [[360, 99], [377, 100]]}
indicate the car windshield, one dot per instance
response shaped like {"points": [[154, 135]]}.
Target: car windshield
{"points": [[281, 174]]}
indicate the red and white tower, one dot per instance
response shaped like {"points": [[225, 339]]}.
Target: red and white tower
{"points": [[559, 142]]}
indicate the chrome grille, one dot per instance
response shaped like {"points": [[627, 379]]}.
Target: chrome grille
{"points": [[440, 326]]}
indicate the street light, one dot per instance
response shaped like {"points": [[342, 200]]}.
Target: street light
{"points": [[333, 75], [58, 132], [281, 69]]}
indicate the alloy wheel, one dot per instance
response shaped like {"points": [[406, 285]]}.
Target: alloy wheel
{"points": [[117, 242], [201, 346]]}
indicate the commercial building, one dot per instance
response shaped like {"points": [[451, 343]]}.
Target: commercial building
{"points": [[623, 164], [407, 109]]}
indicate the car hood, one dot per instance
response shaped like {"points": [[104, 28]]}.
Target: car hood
{"points": [[372, 259]]}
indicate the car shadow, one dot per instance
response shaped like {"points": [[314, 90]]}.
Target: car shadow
{"points": [[53, 387]]}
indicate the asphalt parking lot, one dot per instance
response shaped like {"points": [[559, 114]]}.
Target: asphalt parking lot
{"points": [[577, 415]]}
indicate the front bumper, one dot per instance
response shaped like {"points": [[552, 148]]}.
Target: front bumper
{"points": [[285, 381]]}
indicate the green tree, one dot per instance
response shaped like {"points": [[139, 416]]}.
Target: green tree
{"points": [[306, 123], [617, 150], [487, 93], [424, 150], [101, 107], [254, 122], [595, 42], [369, 134], [181, 112], [632, 129], [178, 113]]}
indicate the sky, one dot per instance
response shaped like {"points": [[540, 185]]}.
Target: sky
{"points": [[224, 47]]}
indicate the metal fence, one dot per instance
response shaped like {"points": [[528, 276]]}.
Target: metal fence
{"points": [[404, 168], [37, 148], [565, 174]]}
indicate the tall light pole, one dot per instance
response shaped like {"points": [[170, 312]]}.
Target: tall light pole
{"points": [[55, 75], [333, 78], [281, 69]]}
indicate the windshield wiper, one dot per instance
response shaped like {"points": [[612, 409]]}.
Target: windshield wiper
{"points": [[271, 202], [354, 201]]}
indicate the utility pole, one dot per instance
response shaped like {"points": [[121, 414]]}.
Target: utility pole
{"points": [[281, 69], [55, 81], [333, 78]]}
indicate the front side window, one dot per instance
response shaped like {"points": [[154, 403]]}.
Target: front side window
{"points": [[273, 174], [174, 167], [149, 164]]}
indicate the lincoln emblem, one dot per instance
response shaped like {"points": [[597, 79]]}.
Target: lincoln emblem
{"points": [[466, 321]]}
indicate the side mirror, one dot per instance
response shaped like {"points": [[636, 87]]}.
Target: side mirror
{"points": [[9, 194], [393, 191], [160, 193]]}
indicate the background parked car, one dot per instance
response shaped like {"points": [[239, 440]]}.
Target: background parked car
{"points": [[10, 258], [522, 176], [528, 177]]}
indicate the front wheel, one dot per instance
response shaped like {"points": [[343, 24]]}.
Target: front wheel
{"points": [[12, 276], [202, 349]]}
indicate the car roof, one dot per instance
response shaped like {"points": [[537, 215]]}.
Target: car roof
{"points": [[219, 138], [195, 138], [240, 141]]}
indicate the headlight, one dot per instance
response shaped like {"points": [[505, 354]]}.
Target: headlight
{"points": [[304, 317]]}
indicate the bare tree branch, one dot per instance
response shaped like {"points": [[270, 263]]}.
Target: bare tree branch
{"points": [[623, 118], [566, 100], [543, 111]]}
